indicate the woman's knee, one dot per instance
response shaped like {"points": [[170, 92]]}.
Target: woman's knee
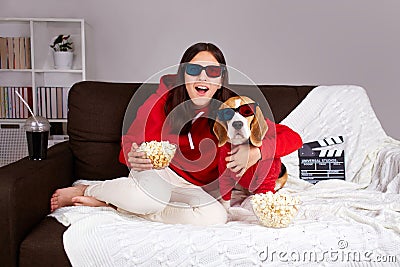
{"points": [[154, 187], [214, 213], [210, 214]]}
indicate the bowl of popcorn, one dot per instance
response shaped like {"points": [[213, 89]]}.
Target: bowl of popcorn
{"points": [[275, 210], [160, 153]]}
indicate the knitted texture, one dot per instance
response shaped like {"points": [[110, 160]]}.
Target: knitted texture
{"points": [[327, 222]]}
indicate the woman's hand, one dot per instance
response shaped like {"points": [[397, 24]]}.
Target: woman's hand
{"points": [[242, 157], [138, 160]]}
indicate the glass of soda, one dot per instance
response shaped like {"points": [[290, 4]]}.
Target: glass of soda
{"points": [[37, 133]]}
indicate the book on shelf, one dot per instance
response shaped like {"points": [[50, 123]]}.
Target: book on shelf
{"points": [[65, 102], [59, 102], [26, 96], [38, 106], [2, 104], [17, 63], [16, 103], [5, 90], [11, 106], [15, 53], [27, 52], [42, 101], [52, 102], [3, 53], [10, 53], [9, 100], [48, 103], [22, 53]]}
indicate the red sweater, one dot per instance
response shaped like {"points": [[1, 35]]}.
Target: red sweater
{"points": [[260, 177], [197, 164]]}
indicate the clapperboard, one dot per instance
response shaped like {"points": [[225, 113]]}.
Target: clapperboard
{"points": [[320, 161]]}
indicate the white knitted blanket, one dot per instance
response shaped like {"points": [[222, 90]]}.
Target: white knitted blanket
{"points": [[339, 222], [371, 157]]}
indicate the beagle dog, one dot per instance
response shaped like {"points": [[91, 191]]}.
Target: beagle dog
{"points": [[239, 121]]}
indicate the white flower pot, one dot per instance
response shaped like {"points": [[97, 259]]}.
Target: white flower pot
{"points": [[63, 60]]}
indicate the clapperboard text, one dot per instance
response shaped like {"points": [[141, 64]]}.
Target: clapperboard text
{"points": [[318, 161]]}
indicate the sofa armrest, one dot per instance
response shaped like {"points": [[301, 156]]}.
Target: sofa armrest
{"points": [[386, 171], [25, 190]]}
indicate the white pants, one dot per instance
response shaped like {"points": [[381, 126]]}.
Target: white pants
{"points": [[162, 196]]}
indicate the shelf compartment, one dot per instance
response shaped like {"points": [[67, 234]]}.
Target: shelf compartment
{"points": [[57, 79], [44, 33]]}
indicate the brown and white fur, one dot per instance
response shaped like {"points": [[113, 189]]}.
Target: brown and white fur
{"points": [[240, 129]]}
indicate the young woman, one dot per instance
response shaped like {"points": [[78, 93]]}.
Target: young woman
{"points": [[182, 111]]}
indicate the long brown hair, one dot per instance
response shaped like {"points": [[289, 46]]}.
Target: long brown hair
{"points": [[180, 119]]}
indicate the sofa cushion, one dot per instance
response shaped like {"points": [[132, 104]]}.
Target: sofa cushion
{"points": [[44, 245], [282, 99], [95, 137]]}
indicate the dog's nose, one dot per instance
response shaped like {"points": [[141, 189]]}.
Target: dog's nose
{"points": [[237, 125]]}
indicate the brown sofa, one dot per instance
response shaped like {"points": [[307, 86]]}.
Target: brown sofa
{"points": [[95, 118]]}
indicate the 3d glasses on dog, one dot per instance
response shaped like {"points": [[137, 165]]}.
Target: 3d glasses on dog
{"points": [[245, 110]]}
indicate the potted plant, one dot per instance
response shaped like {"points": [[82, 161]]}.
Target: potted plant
{"points": [[63, 51]]}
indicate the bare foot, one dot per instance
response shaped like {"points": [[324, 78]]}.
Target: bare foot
{"points": [[63, 197], [88, 201]]}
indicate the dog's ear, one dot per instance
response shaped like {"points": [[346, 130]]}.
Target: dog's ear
{"points": [[258, 128], [220, 132]]}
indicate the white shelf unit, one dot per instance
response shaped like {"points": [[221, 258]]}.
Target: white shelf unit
{"points": [[42, 31]]}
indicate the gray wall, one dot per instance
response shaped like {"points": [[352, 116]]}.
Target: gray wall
{"points": [[273, 42]]}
